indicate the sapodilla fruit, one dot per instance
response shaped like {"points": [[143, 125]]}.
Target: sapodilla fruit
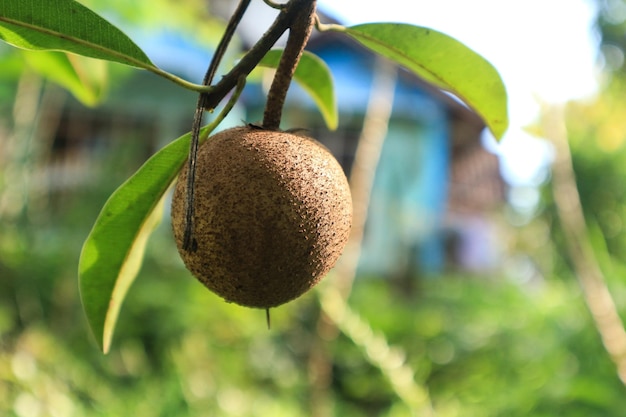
{"points": [[272, 214]]}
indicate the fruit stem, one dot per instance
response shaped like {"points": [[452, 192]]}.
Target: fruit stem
{"points": [[226, 38], [299, 32], [277, 6], [288, 14], [188, 243], [291, 13]]}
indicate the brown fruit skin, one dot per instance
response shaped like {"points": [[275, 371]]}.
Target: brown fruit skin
{"points": [[273, 213]]}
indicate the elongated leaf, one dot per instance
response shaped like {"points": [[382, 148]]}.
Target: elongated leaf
{"points": [[443, 61], [85, 78], [66, 25], [314, 76], [113, 251]]}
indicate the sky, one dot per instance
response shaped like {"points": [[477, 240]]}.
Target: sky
{"points": [[544, 50]]}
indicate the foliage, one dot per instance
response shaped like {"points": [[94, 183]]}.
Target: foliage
{"points": [[126, 222], [595, 134], [39, 25], [598, 143], [611, 23], [68, 26], [442, 61], [484, 348], [184, 352], [487, 348]]}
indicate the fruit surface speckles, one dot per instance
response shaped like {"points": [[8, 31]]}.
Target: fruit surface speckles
{"points": [[273, 213]]}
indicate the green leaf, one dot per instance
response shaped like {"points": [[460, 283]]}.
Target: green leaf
{"points": [[66, 25], [85, 78], [314, 76], [442, 61], [112, 254]]}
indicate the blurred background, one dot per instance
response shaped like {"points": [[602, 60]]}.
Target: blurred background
{"points": [[466, 300]]}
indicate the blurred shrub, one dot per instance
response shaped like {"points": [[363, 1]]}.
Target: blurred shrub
{"points": [[482, 347]]}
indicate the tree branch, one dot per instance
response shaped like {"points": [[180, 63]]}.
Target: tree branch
{"points": [[188, 242], [590, 276], [287, 18], [299, 33], [252, 58]]}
